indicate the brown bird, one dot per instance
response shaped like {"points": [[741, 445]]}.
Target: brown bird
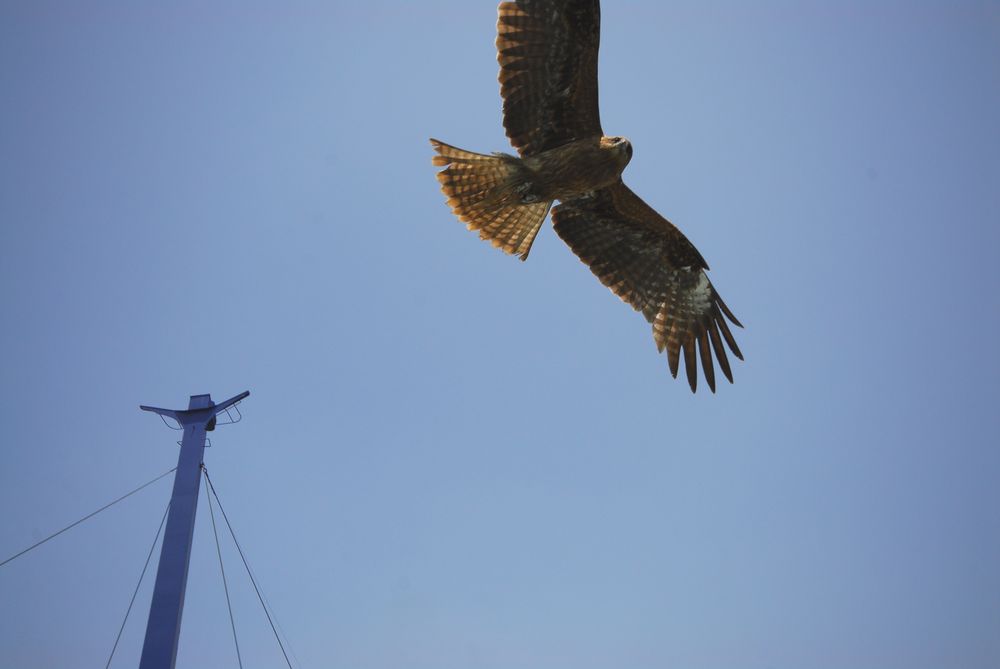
{"points": [[547, 51]]}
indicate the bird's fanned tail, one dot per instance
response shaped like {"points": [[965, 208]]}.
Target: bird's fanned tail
{"points": [[482, 192]]}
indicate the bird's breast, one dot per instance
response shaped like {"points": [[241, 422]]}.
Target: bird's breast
{"points": [[575, 168]]}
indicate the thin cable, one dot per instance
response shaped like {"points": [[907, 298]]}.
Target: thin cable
{"points": [[281, 631], [137, 585], [249, 573], [218, 550], [90, 515]]}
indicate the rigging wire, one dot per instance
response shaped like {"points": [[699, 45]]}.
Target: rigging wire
{"points": [[137, 585], [281, 631], [247, 566], [90, 515], [218, 550]]}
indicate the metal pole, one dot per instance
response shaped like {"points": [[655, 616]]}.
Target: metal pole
{"points": [[163, 629]]}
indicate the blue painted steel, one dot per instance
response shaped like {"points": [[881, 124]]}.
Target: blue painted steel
{"points": [[159, 651]]}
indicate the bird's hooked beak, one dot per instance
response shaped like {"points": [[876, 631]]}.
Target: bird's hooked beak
{"points": [[625, 146]]}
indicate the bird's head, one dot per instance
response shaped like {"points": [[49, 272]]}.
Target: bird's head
{"points": [[620, 145]]}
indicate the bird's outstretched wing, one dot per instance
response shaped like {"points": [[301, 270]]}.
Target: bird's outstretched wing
{"points": [[547, 51], [649, 263]]}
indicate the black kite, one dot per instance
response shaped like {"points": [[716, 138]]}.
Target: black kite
{"points": [[547, 51]]}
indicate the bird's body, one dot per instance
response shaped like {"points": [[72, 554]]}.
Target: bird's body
{"points": [[547, 51], [579, 167]]}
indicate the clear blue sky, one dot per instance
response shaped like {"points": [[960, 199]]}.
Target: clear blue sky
{"points": [[453, 460]]}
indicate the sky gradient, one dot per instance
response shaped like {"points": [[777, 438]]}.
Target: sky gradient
{"points": [[454, 460]]}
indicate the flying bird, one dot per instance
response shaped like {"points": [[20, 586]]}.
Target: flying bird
{"points": [[547, 51]]}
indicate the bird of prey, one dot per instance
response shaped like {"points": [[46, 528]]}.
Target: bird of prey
{"points": [[547, 51]]}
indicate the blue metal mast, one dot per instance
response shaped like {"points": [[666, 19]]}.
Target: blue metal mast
{"points": [[159, 651]]}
